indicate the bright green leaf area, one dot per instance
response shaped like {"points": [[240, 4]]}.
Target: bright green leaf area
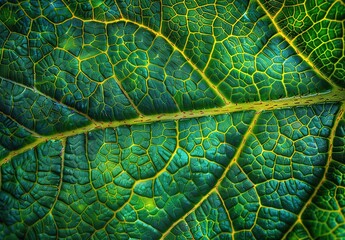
{"points": [[172, 119]]}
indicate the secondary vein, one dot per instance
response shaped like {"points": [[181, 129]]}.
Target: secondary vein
{"points": [[303, 56]]}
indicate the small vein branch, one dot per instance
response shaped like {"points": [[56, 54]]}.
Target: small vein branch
{"points": [[34, 134], [48, 97]]}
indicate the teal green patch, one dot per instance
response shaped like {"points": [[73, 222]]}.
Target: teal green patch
{"points": [[298, 233], [69, 35], [31, 8], [97, 68], [318, 32], [146, 149], [30, 186], [253, 65], [177, 177], [188, 175], [55, 10], [3, 152], [42, 38], [14, 18], [92, 90], [201, 17], [95, 39], [147, 13], [195, 36], [180, 231], [286, 164], [132, 228], [284, 74], [12, 135], [324, 216], [37, 112], [338, 153], [272, 6], [146, 67], [240, 199], [15, 63], [39, 229], [210, 220], [217, 136], [272, 222], [174, 22], [273, 143], [97, 10], [55, 75], [4, 33], [84, 200]]}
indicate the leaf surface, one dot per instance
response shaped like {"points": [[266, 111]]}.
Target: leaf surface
{"points": [[172, 119]]}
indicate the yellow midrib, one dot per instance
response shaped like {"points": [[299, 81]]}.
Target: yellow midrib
{"points": [[338, 95]]}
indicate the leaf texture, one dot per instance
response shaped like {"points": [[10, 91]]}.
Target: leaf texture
{"points": [[172, 119]]}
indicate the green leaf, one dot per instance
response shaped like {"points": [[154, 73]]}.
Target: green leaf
{"points": [[172, 119]]}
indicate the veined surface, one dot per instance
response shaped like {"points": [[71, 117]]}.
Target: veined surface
{"points": [[172, 119]]}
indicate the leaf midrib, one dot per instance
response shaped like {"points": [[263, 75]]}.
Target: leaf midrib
{"points": [[337, 95]]}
